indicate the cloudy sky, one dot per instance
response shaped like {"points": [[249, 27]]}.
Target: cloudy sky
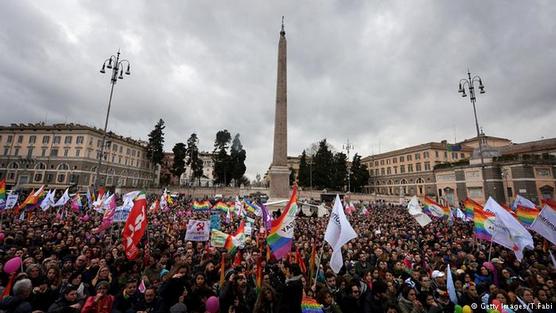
{"points": [[382, 73]]}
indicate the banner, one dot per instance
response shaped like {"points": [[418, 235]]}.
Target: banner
{"points": [[122, 212], [215, 221], [197, 230], [248, 229], [11, 200]]}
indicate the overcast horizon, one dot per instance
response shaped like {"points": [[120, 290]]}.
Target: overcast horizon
{"points": [[382, 73]]}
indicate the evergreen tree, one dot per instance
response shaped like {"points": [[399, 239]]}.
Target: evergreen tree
{"points": [[292, 176], [323, 162], [178, 167], [359, 174], [192, 158], [339, 171], [237, 158], [155, 152], [304, 171], [222, 161]]}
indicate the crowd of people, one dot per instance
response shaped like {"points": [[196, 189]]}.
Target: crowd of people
{"points": [[393, 265]]}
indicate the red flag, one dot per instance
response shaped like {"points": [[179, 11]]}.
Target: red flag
{"points": [[238, 258], [135, 226], [8, 288], [300, 261]]}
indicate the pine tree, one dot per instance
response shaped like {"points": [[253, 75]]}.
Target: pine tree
{"points": [[192, 158], [304, 171], [339, 171], [237, 158], [359, 174], [222, 162], [323, 163], [178, 167], [155, 152]]}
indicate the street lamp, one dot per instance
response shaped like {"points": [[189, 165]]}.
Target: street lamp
{"points": [[116, 65], [469, 83], [348, 147]]}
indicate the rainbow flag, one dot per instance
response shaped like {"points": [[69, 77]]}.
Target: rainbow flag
{"points": [[470, 206], [310, 305], [235, 240], [2, 193], [221, 206], [201, 206], [251, 207], [527, 215], [32, 201], [484, 224], [280, 237], [436, 209]]}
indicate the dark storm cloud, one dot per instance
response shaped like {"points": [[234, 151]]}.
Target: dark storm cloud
{"points": [[383, 73]]}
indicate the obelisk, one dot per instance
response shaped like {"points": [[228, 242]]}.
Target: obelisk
{"points": [[279, 171]]}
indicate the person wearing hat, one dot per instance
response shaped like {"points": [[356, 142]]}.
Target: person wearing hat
{"points": [[101, 302]]}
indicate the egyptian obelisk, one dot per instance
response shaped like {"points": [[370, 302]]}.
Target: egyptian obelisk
{"points": [[279, 171]]}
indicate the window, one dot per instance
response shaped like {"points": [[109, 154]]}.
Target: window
{"points": [[6, 151], [402, 159], [394, 160], [381, 162], [417, 156], [445, 154], [67, 140], [77, 152], [425, 155], [388, 171], [382, 171], [79, 140], [32, 139], [128, 152], [37, 177], [418, 167], [138, 154], [454, 155], [45, 139], [402, 169], [61, 178], [66, 152], [462, 155], [121, 149], [29, 152], [387, 161], [54, 152], [427, 166], [114, 147], [376, 163], [10, 138], [133, 153], [371, 172], [57, 139], [395, 170], [16, 153], [436, 154], [409, 157], [410, 168], [120, 160], [20, 139]]}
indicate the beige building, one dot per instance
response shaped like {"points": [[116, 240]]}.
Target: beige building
{"points": [[527, 169], [207, 179], [61, 155], [410, 171]]}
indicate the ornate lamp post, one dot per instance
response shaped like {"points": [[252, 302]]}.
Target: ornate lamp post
{"points": [[116, 65]]}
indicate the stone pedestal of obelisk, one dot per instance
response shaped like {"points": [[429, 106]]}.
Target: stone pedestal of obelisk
{"points": [[279, 171]]}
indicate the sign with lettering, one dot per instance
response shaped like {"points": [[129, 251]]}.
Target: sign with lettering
{"points": [[197, 230]]}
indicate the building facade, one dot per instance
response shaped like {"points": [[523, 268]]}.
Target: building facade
{"points": [[527, 169], [410, 171], [62, 155], [186, 179]]}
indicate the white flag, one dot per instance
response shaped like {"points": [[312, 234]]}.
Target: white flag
{"points": [[522, 201], [508, 231], [11, 200], [415, 210], [63, 200], [48, 200], [450, 286], [338, 233], [545, 224]]}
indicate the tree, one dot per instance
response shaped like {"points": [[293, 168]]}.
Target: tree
{"points": [[339, 171], [292, 176], [192, 158], [304, 175], [155, 152], [359, 174], [323, 162], [237, 158], [178, 167], [222, 162]]}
